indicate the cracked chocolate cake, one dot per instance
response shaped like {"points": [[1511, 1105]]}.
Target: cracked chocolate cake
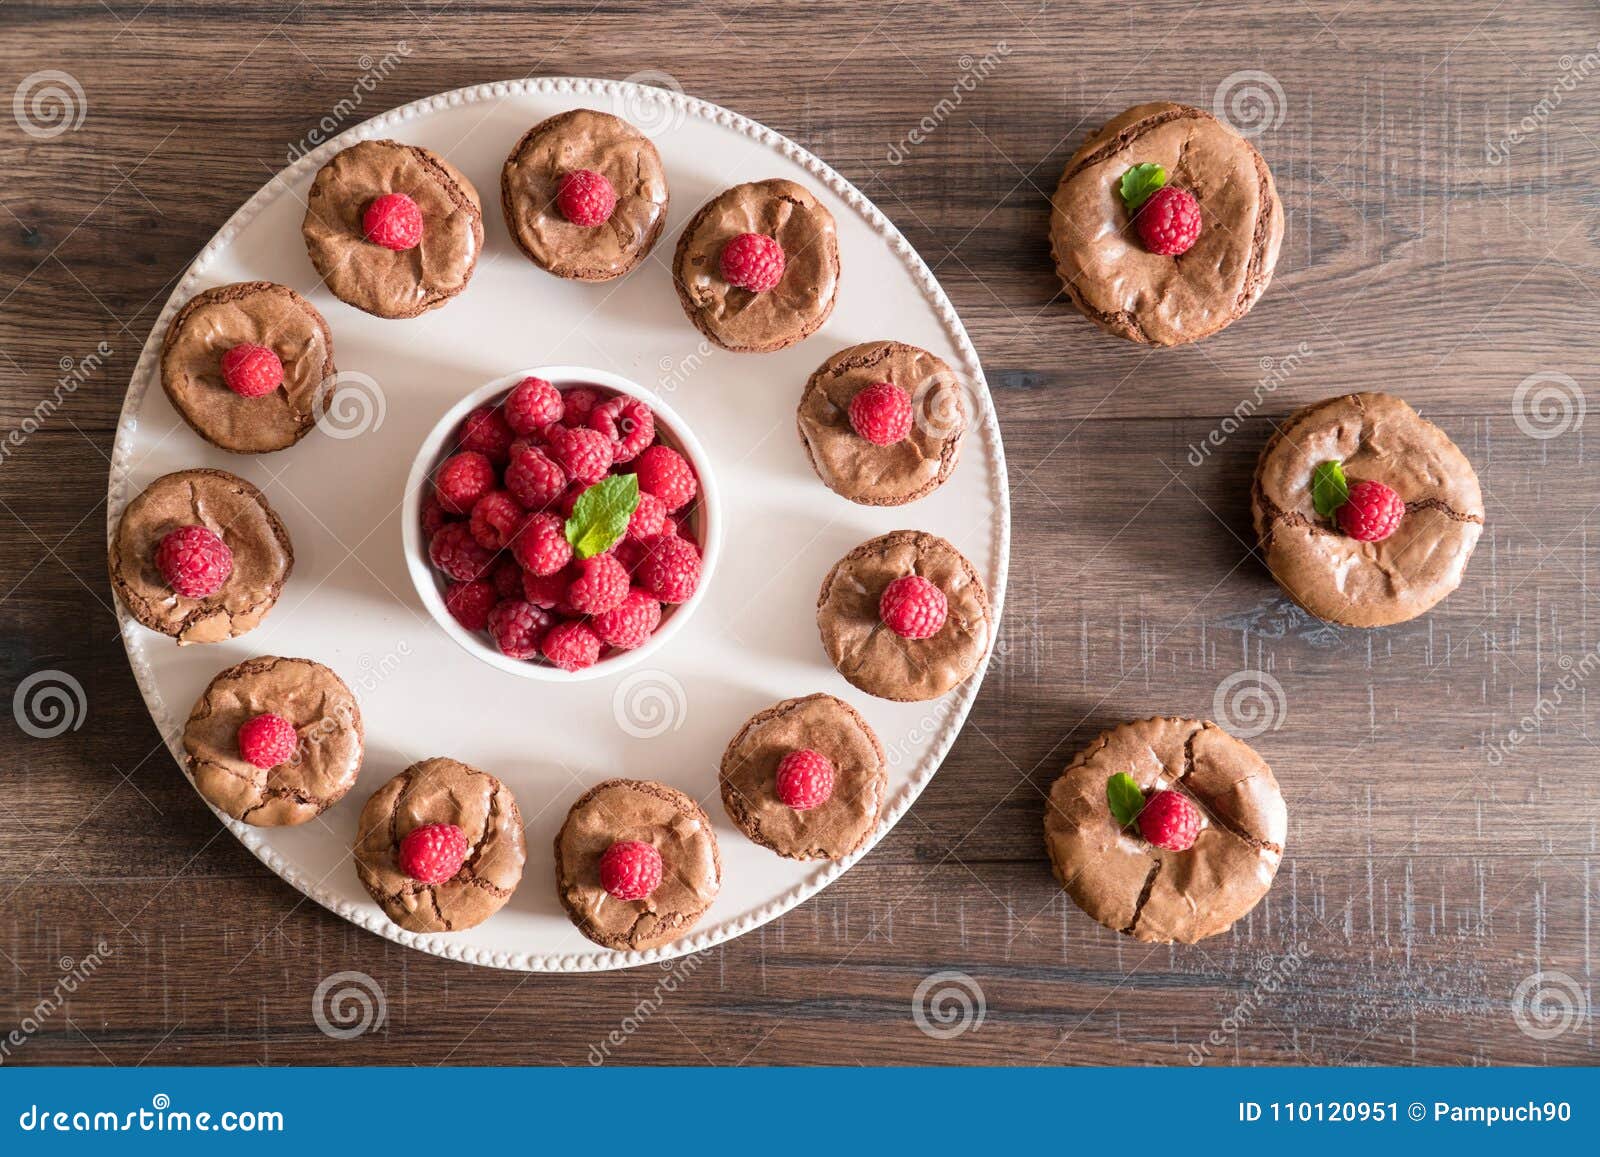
{"points": [[636, 864], [393, 229], [312, 771], [805, 778], [1125, 881], [427, 889], [1165, 294], [1319, 463], [882, 423], [584, 195], [200, 556], [757, 268]]}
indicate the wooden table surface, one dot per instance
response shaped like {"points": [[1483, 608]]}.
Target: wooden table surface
{"points": [[1437, 901]]}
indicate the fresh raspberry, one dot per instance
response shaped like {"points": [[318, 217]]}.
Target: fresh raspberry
{"points": [[471, 602], [507, 577], [486, 431], [462, 480], [251, 370], [518, 627], [630, 870], [1169, 222], [601, 585], [630, 552], [534, 479], [752, 261], [577, 404], [433, 517], [1170, 821], [267, 740], [572, 646], [541, 546], [670, 570], [549, 591], [805, 779], [532, 405], [455, 552], [495, 519], [1372, 512], [627, 423], [630, 622], [912, 607], [649, 518], [881, 413], [194, 561], [667, 474], [433, 853], [583, 453], [586, 198], [393, 221], [569, 500]]}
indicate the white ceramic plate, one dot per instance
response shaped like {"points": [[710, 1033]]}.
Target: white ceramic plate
{"points": [[752, 642]]}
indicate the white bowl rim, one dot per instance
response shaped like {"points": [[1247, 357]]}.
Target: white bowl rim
{"points": [[424, 579]]}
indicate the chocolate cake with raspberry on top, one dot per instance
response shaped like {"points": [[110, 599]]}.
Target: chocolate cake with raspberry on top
{"points": [[1366, 512], [584, 195], [1165, 225]]}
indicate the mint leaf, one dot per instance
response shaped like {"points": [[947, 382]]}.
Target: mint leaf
{"points": [[601, 514], [1329, 490], [1139, 182], [1125, 798]]}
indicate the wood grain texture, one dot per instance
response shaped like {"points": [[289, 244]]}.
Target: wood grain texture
{"points": [[1439, 245]]}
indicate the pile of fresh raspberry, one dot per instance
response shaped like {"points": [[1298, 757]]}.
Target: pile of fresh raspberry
{"points": [[545, 553]]}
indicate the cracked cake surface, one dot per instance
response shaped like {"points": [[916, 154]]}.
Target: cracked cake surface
{"points": [[1121, 286], [738, 319], [1146, 892], [327, 723], [237, 513], [442, 791], [1376, 437], [652, 813]]}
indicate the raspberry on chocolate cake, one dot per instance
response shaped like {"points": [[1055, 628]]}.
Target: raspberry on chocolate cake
{"points": [[584, 195], [1166, 829], [244, 365], [757, 268], [904, 616], [805, 777], [617, 893], [1365, 511], [274, 741], [433, 793], [883, 423], [393, 229], [206, 532], [1165, 225]]}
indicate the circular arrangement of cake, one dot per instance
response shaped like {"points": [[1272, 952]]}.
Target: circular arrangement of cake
{"points": [[1166, 829], [1165, 225]]}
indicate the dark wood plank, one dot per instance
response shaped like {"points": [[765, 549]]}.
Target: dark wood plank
{"points": [[1426, 878]]}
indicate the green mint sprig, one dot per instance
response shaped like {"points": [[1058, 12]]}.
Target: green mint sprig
{"points": [[1329, 489], [1139, 182], [1125, 798], [600, 516]]}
